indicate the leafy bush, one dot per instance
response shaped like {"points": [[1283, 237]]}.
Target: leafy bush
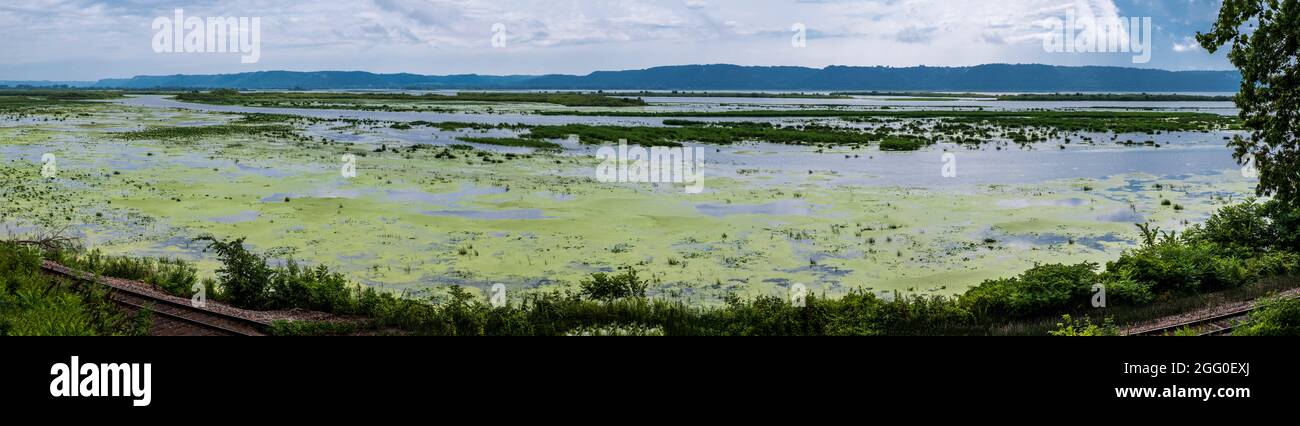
{"points": [[1040, 290], [1273, 264], [1240, 230], [1123, 290], [1250, 229], [244, 277], [312, 328], [1176, 265], [1286, 225], [1275, 317], [309, 288], [247, 281], [607, 287], [17, 261], [1069, 327]]}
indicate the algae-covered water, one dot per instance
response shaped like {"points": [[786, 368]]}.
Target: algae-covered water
{"points": [[769, 216]]}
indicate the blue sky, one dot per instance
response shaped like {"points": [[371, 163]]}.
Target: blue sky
{"points": [[87, 40]]}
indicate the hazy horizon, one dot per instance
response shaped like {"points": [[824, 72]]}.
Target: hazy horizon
{"points": [[2, 81]]}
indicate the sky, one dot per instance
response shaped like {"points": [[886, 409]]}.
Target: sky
{"points": [[88, 40]]}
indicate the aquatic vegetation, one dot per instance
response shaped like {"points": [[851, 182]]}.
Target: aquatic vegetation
{"points": [[915, 94], [901, 144], [397, 101], [689, 94], [620, 301], [47, 95], [151, 196], [1092, 121], [527, 143], [49, 105], [193, 132], [559, 98], [714, 133], [1140, 277], [1112, 97], [1049, 97], [456, 125]]}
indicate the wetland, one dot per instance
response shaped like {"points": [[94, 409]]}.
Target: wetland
{"points": [[478, 189]]}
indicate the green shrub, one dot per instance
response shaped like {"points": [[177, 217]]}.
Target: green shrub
{"points": [[245, 277], [33, 304], [309, 288], [1173, 265], [1273, 264], [172, 275], [1286, 225], [1125, 291], [1041, 290], [1240, 230], [17, 261], [1083, 327], [895, 143], [312, 328], [1275, 317], [607, 287]]}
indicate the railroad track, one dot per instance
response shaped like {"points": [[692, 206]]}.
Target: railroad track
{"points": [[1220, 324], [1217, 325], [172, 315]]}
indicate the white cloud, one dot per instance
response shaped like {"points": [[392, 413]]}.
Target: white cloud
{"points": [[1188, 44], [61, 38]]}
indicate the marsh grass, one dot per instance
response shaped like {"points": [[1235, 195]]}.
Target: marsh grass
{"points": [[335, 100], [58, 94], [1076, 97], [719, 134], [515, 142], [174, 276], [196, 132], [1091, 121], [688, 94]]}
